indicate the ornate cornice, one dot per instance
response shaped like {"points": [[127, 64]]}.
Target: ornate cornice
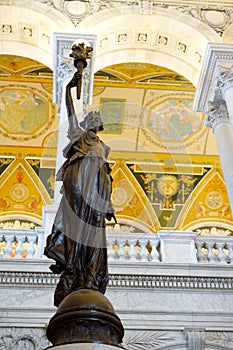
{"points": [[217, 17], [124, 281], [216, 55]]}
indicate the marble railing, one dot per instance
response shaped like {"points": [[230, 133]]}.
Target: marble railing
{"points": [[214, 249], [131, 247]]}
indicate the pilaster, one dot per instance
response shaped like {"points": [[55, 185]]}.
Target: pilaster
{"points": [[63, 70], [214, 96]]}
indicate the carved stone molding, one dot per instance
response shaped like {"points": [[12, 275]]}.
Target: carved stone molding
{"points": [[225, 78], [64, 68], [217, 113], [150, 340], [218, 18], [219, 340], [216, 56], [125, 281], [196, 339], [23, 339]]}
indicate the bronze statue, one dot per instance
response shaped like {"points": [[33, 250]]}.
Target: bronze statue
{"points": [[78, 241], [80, 54]]}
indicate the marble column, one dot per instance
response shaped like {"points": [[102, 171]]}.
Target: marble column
{"points": [[214, 96], [218, 119], [225, 85]]}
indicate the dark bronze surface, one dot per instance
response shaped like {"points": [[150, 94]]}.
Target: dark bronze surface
{"points": [[85, 316], [77, 242]]}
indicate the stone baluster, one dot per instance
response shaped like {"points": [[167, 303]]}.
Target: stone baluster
{"points": [[138, 250], [19, 248], [1, 245], [132, 251], [40, 242], [31, 247], [210, 255], [229, 246], [121, 251], [221, 255], [8, 247], [201, 257], [113, 250], [154, 254], [144, 252], [127, 249]]}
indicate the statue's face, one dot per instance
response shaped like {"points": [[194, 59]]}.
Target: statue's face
{"points": [[100, 127]]}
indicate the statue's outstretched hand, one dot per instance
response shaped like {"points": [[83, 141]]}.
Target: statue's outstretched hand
{"points": [[74, 81], [110, 216]]}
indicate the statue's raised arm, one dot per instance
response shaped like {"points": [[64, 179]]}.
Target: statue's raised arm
{"points": [[77, 242]]}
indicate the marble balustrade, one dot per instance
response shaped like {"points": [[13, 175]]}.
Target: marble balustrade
{"points": [[131, 247]]}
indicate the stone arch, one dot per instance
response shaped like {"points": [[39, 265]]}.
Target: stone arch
{"points": [[182, 49], [28, 31]]}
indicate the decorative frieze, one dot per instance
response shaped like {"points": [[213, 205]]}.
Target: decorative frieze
{"points": [[23, 338], [150, 340], [219, 340], [125, 281], [216, 17]]}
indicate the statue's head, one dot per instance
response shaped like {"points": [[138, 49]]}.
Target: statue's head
{"points": [[92, 121]]}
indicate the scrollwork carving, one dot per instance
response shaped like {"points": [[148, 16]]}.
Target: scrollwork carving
{"points": [[218, 18], [217, 113], [225, 78], [223, 340], [149, 340], [23, 339]]}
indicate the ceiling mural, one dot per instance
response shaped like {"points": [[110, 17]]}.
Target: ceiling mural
{"points": [[164, 178], [28, 125], [22, 111], [140, 75], [174, 119]]}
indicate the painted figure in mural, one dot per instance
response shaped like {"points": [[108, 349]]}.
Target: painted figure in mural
{"points": [[78, 241]]}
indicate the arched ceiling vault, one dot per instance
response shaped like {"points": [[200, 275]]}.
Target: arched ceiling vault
{"points": [[161, 37], [123, 35]]}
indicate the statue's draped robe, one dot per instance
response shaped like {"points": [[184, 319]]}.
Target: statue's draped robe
{"points": [[78, 241]]}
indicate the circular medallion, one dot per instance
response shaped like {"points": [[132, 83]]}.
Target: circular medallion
{"points": [[168, 185], [19, 192], [214, 200]]}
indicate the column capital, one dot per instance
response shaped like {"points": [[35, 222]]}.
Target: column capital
{"points": [[224, 78], [217, 113]]}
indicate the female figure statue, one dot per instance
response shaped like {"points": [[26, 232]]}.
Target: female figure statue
{"points": [[78, 242]]}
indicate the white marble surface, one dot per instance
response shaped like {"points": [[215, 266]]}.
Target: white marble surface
{"points": [[177, 246]]}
